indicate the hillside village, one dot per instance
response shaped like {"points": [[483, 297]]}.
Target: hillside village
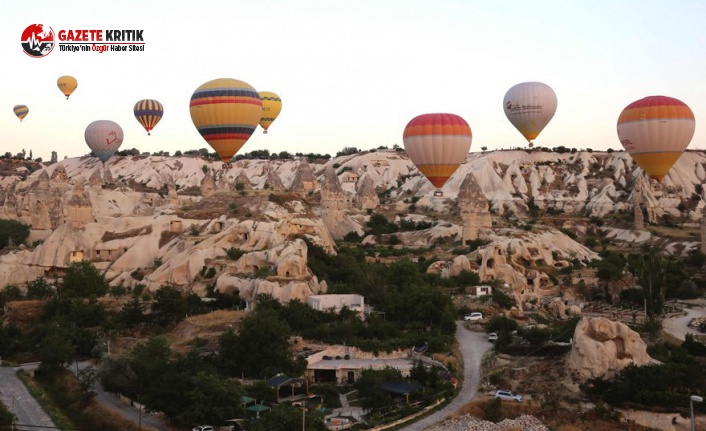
{"points": [[527, 223]]}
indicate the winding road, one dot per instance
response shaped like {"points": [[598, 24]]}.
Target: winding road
{"points": [[473, 346], [15, 396]]}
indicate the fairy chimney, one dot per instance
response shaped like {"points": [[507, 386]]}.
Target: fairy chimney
{"points": [[474, 209], [78, 209], [367, 198], [304, 179], [243, 179], [96, 179], [333, 204], [59, 175], [107, 175], [208, 186], [273, 181]]}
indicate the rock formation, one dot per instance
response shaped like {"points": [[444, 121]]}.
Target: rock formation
{"points": [[273, 181], [172, 194], [243, 179], [59, 175], [78, 209], [304, 179], [107, 175], [208, 185], [96, 179], [602, 347], [366, 197], [639, 217], [333, 204], [475, 212]]}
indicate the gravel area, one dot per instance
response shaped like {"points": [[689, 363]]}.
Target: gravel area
{"points": [[470, 423]]}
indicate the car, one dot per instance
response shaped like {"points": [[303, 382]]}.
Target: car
{"points": [[508, 395], [493, 336], [202, 428], [473, 316]]}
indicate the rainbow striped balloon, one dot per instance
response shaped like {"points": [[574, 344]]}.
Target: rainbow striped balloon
{"points": [[148, 112], [226, 112], [655, 131], [437, 144], [21, 111]]}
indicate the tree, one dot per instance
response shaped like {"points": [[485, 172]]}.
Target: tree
{"points": [[12, 232], [82, 280], [369, 387], [211, 399], [39, 288], [651, 270], [56, 349], [170, 305], [262, 346]]}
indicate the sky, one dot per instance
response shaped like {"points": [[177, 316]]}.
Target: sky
{"points": [[353, 73]]}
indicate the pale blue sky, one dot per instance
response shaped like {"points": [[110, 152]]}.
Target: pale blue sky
{"points": [[353, 73]]}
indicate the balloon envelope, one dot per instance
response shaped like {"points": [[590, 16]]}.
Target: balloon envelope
{"points": [[437, 144], [530, 106], [103, 137], [148, 112], [271, 107], [225, 112], [67, 85], [655, 131], [21, 111]]}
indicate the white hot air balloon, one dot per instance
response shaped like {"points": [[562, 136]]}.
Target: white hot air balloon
{"points": [[530, 106], [103, 137]]}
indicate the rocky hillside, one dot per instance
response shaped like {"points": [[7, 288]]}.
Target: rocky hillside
{"points": [[171, 220]]}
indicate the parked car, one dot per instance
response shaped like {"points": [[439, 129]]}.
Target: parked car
{"points": [[493, 336], [473, 316], [202, 428], [508, 395]]}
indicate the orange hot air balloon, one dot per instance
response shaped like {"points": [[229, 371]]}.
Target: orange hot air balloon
{"points": [[226, 112], [437, 144], [21, 111], [67, 84], [655, 131]]}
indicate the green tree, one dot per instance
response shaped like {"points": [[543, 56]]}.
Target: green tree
{"points": [[56, 349], [12, 232], [82, 280], [39, 288], [651, 270], [169, 305], [211, 399], [369, 387], [262, 347]]}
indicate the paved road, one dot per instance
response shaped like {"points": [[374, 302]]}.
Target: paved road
{"points": [[472, 345], [15, 396], [679, 326], [122, 407]]}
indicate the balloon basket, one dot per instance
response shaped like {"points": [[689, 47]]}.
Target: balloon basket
{"points": [[438, 194], [227, 166]]}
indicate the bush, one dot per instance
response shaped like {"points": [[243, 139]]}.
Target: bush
{"points": [[234, 253], [12, 232]]}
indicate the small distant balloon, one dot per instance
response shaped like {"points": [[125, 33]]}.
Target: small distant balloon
{"points": [[67, 84], [21, 111], [103, 137], [148, 112], [529, 106], [437, 144], [226, 112], [271, 107], [655, 131]]}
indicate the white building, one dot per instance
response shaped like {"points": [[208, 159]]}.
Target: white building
{"points": [[336, 303]]}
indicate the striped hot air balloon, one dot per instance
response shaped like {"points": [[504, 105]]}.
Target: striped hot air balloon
{"points": [[21, 111], [655, 131], [271, 107], [530, 106], [226, 112], [437, 144], [148, 112]]}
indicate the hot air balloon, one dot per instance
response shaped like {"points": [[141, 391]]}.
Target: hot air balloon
{"points": [[655, 131], [21, 111], [271, 107], [530, 106], [148, 112], [103, 138], [437, 144], [225, 112], [67, 85]]}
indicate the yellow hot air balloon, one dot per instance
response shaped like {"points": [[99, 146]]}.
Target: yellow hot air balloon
{"points": [[437, 144], [271, 107], [21, 111], [67, 85], [530, 106], [655, 131], [225, 112]]}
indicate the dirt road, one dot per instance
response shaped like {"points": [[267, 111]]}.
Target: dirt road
{"points": [[678, 326], [473, 346]]}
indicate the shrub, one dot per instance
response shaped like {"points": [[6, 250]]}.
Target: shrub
{"points": [[234, 253]]}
